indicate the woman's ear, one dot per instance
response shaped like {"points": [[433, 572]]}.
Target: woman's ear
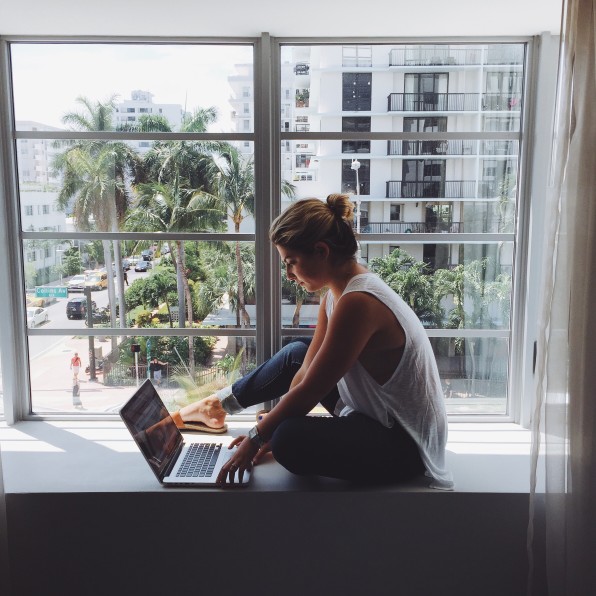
{"points": [[322, 249]]}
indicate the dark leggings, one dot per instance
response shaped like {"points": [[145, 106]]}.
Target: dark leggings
{"points": [[354, 447]]}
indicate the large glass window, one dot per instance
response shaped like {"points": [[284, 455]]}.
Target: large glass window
{"points": [[450, 204], [144, 198], [138, 225]]}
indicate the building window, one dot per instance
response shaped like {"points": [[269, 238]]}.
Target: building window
{"points": [[356, 56], [423, 178], [356, 91], [28, 209], [395, 211], [355, 124], [130, 110], [348, 177], [45, 209], [426, 91], [302, 161]]}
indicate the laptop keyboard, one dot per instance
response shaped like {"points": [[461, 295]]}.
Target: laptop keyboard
{"points": [[199, 461]]}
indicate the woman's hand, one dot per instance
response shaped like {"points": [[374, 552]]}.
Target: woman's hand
{"points": [[241, 461]]}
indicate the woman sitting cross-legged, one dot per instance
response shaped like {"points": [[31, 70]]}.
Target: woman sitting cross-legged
{"points": [[370, 364]]}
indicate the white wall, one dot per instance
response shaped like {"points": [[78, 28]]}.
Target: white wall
{"points": [[240, 18]]}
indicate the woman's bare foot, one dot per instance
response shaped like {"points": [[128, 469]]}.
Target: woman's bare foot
{"points": [[208, 411]]}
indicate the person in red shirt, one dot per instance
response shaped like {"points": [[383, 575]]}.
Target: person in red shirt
{"points": [[75, 366]]}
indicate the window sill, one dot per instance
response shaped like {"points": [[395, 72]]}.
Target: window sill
{"points": [[83, 456]]}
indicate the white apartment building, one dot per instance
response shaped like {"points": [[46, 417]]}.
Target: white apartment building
{"points": [[140, 104], [410, 186]]}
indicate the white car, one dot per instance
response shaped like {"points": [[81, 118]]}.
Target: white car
{"points": [[36, 316], [76, 283]]}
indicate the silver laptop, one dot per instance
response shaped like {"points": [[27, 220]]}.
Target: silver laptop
{"points": [[174, 462]]}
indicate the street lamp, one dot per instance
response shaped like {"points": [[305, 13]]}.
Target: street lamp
{"points": [[356, 166]]}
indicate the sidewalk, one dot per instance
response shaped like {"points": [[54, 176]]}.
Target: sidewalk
{"points": [[51, 381]]}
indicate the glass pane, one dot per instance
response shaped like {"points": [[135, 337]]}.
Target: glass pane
{"points": [[131, 86], [474, 373], [1, 391], [449, 286], [218, 361], [474, 180], [135, 186], [474, 84], [162, 284]]}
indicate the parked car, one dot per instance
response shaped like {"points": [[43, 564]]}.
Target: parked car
{"points": [[76, 283], [97, 281], [143, 266], [147, 255], [36, 316], [125, 264], [76, 308]]}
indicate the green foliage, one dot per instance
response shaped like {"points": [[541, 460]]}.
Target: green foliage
{"points": [[135, 294], [457, 298], [143, 318], [166, 348]]}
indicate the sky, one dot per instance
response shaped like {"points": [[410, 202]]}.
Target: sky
{"points": [[49, 77]]}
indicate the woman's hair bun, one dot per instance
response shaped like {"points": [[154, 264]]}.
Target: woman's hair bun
{"points": [[341, 206]]}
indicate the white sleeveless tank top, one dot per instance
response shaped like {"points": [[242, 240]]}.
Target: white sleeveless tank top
{"points": [[413, 395]]}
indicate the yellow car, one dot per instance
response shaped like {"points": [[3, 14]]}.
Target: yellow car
{"points": [[97, 281]]}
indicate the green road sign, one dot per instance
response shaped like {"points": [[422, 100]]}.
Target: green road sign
{"points": [[51, 292]]}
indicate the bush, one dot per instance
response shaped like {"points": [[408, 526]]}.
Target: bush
{"points": [[143, 318]]}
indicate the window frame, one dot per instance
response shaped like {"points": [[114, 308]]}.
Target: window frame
{"points": [[266, 136]]}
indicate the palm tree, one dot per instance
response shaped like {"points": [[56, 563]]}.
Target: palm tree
{"points": [[103, 182], [297, 291], [411, 279], [235, 194]]}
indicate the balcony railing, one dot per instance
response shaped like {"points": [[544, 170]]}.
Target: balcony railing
{"points": [[500, 101], [433, 102], [441, 189], [411, 227], [452, 102], [500, 54], [433, 56], [453, 147]]}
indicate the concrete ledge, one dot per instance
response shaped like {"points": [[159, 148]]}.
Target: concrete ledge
{"points": [[94, 456], [115, 530]]}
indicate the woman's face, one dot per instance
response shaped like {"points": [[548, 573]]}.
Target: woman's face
{"points": [[307, 270]]}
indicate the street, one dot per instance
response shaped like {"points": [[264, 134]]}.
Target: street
{"points": [[51, 377]]}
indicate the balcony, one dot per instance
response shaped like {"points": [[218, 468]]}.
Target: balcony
{"points": [[434, 56], [410, 227], [433, 102], [452, 102], [499, 101], [453, 147], [504, 54], [442, 189]]}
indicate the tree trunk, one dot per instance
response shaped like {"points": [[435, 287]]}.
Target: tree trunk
{"points": [[120, 278], [296, 317], [244, 318], [180, 284], [107, 255]]}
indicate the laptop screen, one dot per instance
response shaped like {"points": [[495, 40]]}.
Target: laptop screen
{"points": [[152, 427]]}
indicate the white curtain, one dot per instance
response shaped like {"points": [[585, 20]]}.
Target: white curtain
{"points": [[564, 422]]}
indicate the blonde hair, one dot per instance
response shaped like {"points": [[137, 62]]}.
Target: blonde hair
{"points": [[309, 221]]}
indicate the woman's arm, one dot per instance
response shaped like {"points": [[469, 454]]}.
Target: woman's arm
{"points": [[355, 320]]}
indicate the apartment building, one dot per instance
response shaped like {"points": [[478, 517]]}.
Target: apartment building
{"points": [[140, 103], [434, 186]]}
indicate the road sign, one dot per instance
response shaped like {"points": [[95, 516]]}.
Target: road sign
{"points": [[51, 292]]}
